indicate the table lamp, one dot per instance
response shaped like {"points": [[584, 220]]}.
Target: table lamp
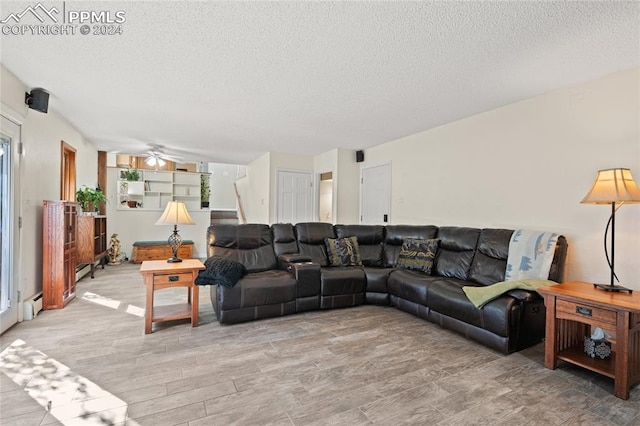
{"points": [[615, 187], [174, 214]]}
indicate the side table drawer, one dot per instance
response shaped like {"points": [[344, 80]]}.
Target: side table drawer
{"points": [[174, 279], [585, 313]]}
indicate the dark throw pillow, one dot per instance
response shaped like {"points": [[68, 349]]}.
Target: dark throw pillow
{"points": [[343, 251], [418, 254], [219, 270]]}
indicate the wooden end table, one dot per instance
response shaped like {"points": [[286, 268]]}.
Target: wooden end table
{"points": [[572, 309], [159, 274]]}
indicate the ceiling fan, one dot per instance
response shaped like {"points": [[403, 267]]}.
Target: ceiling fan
{"points": [[156, 156]]}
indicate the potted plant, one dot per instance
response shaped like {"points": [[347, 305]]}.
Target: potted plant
{"points": [[205, 191], [90, 198], [132, 175]]}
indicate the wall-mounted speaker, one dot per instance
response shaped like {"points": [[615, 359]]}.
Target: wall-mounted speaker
{"points": [[38, 99], [359, 156]]}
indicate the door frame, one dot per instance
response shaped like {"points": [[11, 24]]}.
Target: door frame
{"points": [[317, 179], [362, 167], [312, 191], [15, 313]]}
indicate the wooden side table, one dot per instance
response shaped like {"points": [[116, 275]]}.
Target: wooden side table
{"points": [[159, 274], [572, 309]]}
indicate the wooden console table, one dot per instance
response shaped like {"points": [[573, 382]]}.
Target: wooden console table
{"points": [[159, 274], [572, 309]]}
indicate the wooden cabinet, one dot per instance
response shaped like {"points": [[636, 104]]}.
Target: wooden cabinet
{"points": [[92, 240], [159, 250], [59, 230]]}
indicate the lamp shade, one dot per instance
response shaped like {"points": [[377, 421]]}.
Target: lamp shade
{"points": [[613, 186], [175, 214]]}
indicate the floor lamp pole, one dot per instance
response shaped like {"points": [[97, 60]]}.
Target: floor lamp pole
{"points": [[613, 243]]}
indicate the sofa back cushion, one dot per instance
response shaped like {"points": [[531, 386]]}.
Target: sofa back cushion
{"points": [[249, 244], [370, 239], [310, 236], [395, 236], [490, 261], [556, 272], [284, 239], [456, 250]]}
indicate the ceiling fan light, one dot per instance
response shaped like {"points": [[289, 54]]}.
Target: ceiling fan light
{"points": [[151, 161], [161, 162]]}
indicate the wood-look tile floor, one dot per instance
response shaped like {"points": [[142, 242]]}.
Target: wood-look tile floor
{"points": [[91, 363]]}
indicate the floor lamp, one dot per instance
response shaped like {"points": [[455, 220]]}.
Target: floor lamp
{"points": [[175, 214], [615, 187]]}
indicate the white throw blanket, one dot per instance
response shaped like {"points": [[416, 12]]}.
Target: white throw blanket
{"points": [[530, 255]]}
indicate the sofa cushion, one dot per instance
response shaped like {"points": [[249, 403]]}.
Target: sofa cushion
{"points": [[284, 239], [418, 254], [249, 244], [410, 285], [258, 289], [346, 280], [447, 297], [395, 236], [370, 239], [343, 251], [311, 237], [456, 250], [490, 260], [225, 272], [377, 279]]}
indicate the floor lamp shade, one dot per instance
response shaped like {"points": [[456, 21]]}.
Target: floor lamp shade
{"points": [[615, 187], [175, 214]]}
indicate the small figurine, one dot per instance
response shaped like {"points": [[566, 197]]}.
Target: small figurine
{"points": [[114, 250]]}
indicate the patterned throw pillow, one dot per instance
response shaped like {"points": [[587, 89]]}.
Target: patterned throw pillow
{"points": [[418, 254], [343, 251]]}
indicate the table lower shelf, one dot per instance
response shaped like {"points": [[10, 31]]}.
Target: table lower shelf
{"points": [[171, 312], [575, 355]]}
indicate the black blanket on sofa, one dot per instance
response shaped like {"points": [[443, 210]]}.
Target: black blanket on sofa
{"points": [[219, 270]]}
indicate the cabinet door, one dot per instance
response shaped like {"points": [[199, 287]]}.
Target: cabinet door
{"points": [[70, 227], [85, 249]]}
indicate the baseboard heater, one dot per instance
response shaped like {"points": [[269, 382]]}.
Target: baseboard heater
{"points": [[32, 306]]}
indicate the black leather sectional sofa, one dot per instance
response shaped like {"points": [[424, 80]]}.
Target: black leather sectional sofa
{"points": [[289, 272]]}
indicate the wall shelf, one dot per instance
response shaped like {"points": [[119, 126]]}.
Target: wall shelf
{"points": [[155, 189]]}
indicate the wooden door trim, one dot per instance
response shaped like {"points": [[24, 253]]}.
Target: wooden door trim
{"points": [[67, 180]]}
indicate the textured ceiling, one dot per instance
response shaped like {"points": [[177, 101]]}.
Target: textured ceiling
{"points": [[228, 81]]}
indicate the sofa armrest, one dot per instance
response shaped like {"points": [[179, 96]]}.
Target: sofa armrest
{"points": [[524, 295], [294, 258], [285, 259], [307, 274]]}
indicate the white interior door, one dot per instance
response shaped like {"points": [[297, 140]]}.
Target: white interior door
{"points": [[9, 231], [295, 196], [375, 194]]}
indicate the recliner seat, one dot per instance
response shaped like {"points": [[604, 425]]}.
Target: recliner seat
{"points": [[339, 286]]}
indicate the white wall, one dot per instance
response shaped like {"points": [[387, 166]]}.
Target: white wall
{"points": [[223, 195], [528, 165], [40, 170], [348, 187], [255, 190]]}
